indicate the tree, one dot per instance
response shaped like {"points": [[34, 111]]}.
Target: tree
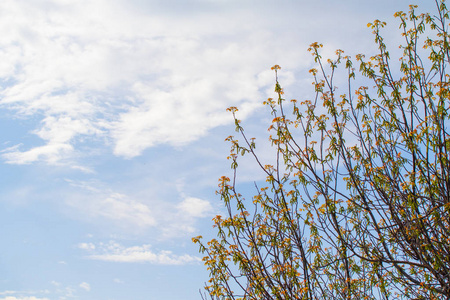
{"points": [[357, 205]]}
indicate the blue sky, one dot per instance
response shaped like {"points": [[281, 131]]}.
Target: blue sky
{"points": [[113, 125]]}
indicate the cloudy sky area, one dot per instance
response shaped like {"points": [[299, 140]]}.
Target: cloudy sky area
{"points": [[113, 124]]}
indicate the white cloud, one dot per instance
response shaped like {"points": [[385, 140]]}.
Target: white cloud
{"points": [[19, 295], [55, 283], [23, 298], [86, 246], [114, 252], [195, 207], [85, 286], [91, 68], [118, 207], [52, 153], [150, 210], [109, 205]]}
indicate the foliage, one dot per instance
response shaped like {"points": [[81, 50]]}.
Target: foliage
{"points": [[357, 205]]}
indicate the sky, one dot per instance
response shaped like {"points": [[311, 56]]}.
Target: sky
{"points": [[113, 119]]}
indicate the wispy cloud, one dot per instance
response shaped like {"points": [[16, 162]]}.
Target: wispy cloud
{"points": [[195, 207], [137, 213], [86, 246], [95, 202], [85, 286], [59, 289], [23, 298], [115, 252], [21, 295]]}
